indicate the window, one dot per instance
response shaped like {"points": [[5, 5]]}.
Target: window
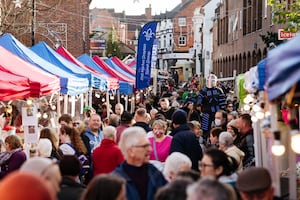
{"points": [[181, 21], [182, 40]]}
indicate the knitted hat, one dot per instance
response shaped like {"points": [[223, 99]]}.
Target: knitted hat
{"points": [[254, 179], [179, 117]]}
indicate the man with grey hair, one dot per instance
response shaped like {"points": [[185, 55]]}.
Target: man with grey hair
{"points": [[107, 156], [142, 178], [226, 145], [176, 162]]}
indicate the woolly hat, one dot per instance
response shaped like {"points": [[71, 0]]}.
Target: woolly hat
{"points": [[254, 179], [179, 117]]}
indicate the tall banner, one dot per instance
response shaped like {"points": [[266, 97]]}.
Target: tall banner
{"points": [[144, 55]]}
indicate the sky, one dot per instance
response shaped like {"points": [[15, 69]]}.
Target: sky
{"points": [[136, 7]]}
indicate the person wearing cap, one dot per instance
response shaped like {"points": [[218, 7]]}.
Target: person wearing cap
{"points": [[87, 111], [184, 140], [255, 183], [125, 122]]}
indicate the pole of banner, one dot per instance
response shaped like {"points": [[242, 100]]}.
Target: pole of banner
{"points": [[126, 102], [154, 81], [81, 103], [90, 96], [66, 100], [58, 108], [107, 103], [118, 95], [86, 98], [72, 106]]}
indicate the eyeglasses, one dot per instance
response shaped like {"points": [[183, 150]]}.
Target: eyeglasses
{"points": [[142, 146], [203, 165]]}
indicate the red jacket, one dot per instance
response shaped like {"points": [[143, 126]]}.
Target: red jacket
{"points": [[106, 157]]}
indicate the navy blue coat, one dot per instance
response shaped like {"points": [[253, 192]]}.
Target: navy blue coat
{"points": [[155, 178], [185, 141]]}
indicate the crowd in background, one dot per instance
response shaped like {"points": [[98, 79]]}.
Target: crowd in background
{"points": [[185, 143]]}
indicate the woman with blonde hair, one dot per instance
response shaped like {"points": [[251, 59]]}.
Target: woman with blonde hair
{"points": [[160, 142]]}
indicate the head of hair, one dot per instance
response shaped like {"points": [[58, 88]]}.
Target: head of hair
{"points": [[141, 112], [69, 165], [120, 106], [191, 173], [221, 159], [114, 120], [21, 181], [226, 139], [216, 131], [109, 132], [175, 190], [75, 138], [160, 123], [65, 117], [104, 187], [47, 133], [174, 163], [208, 188], [130, 137], [166, 100], [13, 141], [246, 118], [44, 147]]}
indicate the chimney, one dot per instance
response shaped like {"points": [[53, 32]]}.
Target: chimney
{"points": [[148, 12]]}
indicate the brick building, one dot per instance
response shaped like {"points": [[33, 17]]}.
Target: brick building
{"points": [[237, 43], [57, 22]]}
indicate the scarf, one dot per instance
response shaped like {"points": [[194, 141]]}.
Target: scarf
{"points": [[5, 156]]}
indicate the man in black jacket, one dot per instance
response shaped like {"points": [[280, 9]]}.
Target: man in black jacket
{"points": [[69, 188], [184, 140]]}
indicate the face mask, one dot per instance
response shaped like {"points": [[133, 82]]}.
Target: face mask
{"points": [[217, 122]]}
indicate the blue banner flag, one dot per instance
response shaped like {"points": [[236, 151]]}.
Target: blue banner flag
{"points": [[144, 55]]}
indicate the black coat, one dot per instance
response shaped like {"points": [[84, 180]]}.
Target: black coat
{"points": [[70, 190], [185, 141]]}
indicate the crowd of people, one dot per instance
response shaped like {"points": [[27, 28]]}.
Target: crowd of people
{"points": [[188, 146]]}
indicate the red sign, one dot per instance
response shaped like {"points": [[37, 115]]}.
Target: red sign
{"points": [[283, 35]]}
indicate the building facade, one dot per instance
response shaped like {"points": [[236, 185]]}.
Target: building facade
{"points": [[57, 22], [237, 31]]}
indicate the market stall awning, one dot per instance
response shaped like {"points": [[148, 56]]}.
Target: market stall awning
{"points": [[123, 66], [112, 71], [283, 68], [39, 79], [112, 83], [70, 83], [46, 52], [14, 87], [125, 87], [116, 68]]}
